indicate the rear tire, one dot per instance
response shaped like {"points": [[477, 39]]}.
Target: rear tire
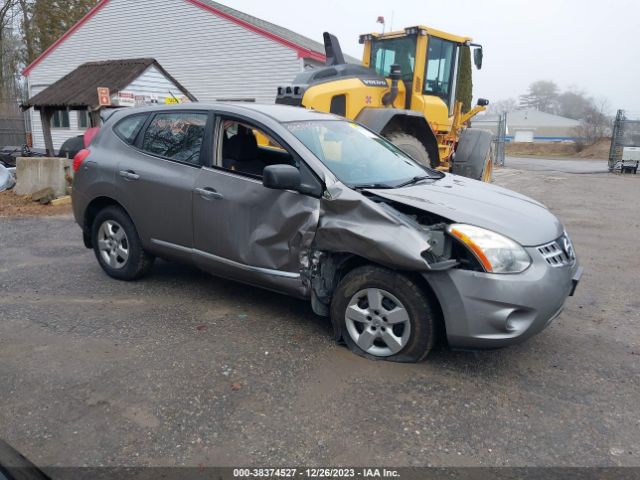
{"points": [[411, 146], [117, 245], [384, 315]]}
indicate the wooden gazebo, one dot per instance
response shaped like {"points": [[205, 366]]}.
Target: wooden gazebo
{"points": [[78, 90]]}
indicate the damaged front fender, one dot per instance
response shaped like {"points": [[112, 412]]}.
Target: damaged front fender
{"points": [[355, 228], [352, 223]]}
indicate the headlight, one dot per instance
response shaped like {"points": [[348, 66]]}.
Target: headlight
{"points": [[496, 253]]}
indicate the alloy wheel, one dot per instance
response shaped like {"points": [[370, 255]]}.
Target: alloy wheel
{"points": [[378, 322], [113, 244]]}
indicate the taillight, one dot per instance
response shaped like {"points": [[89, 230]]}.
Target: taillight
{"points": [[89, 135], [79, 158]]}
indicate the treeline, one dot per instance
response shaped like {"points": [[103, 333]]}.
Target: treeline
{"points": [[28, 28], [593, 114]]}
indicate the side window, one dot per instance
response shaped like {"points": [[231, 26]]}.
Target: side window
{"points": [[440, 62], [127, 128], [176, 136], [244, 148]]}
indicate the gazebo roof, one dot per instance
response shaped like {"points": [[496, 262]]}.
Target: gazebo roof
{"points": [[78, 89]]}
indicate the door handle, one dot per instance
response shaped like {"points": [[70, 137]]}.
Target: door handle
{"points": [[209, 193], [129, 174]]}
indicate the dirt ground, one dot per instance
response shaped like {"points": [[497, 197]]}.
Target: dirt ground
{"points": [[598, 151], [540, 149], [12, 205], [182, 368]]}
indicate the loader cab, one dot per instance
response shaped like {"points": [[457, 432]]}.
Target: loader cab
{"points": [[428, 61]]}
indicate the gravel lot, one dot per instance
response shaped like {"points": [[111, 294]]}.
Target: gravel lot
{"points": [[182, 368]]}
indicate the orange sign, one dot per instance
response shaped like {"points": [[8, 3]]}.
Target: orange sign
{"points": [[104, 99]]}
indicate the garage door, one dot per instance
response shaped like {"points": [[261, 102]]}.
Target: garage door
{"points": [[523, 136]]}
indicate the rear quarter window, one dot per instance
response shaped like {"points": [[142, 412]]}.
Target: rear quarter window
{"points": [[127, 128]]}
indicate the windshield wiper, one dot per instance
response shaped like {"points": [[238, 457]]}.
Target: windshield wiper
{"points": [[417, 179], [373, 185]]}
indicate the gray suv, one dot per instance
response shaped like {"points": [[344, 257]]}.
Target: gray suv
{"points": [[318, 207]]}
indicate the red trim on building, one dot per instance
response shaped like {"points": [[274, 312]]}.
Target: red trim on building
{"points": [[66, 35], [301, 51]]}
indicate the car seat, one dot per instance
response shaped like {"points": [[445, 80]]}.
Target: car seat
{"points": [[240, 153]]}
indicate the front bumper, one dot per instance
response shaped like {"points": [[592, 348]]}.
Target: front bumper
{"points": [[484, 310]]}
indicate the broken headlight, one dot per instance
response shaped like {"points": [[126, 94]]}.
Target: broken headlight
{"points": [[496, 253]]}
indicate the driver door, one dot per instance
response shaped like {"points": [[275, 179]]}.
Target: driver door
{"points": [[243, 230]]}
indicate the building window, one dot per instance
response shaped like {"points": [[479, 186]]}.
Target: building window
{"points": [[60, 119], [83, 119]]}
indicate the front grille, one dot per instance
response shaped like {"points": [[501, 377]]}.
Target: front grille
{"points": [[558, 253]]}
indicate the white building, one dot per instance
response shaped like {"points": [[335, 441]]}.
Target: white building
{"points": [[215, 52], [531, 125]]}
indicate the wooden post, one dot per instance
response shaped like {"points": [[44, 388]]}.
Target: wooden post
{"points": [[94, 115], [45, 117]]}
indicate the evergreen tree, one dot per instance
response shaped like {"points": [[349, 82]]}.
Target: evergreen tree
{"points": [[44, 21], [542, 95], [464, 89]]}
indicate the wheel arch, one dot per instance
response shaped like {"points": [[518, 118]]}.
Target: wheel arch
{"points": [[348, 262], [387, 120], [93, 208]]}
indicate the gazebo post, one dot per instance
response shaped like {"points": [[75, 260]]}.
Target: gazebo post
{"points": [[45, 117], [94, 116]]}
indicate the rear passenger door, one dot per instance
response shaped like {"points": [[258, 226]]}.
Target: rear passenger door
{"points": [[158, 177]]}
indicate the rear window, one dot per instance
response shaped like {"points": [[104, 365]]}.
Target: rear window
{"points": [[127, 128], [176, 135]]}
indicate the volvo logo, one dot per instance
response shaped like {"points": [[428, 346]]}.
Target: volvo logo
{"points": [[568, 248]]}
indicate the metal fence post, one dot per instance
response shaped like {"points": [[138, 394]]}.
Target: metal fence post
{"points": [[626, 133]]}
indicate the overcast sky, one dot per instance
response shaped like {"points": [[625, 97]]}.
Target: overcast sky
{"points": [[590, 44]]}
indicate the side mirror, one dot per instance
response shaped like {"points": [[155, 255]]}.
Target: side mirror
{"points": [[477, 57], [483, 102], [281, 177]]}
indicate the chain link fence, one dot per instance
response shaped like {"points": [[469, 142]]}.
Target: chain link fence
{"points": [[626, 133], [12, 126], [497, 125]]}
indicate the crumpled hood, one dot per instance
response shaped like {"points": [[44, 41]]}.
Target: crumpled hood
{"points": [[464, 200]]}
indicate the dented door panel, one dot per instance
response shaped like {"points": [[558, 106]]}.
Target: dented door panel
{"points": [[250, 229]]}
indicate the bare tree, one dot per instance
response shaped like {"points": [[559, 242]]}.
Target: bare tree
{"points": [[9, 53], [574, 103], [28, 37], [502, 106], [595, 124]]}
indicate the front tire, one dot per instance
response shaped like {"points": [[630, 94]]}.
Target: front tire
{"points": [[411, 146], [487, 170], [117, 245], [384, 315]]}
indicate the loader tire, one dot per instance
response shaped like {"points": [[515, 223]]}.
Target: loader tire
{"points": [[487, 171], [472, 158], [411, 146]]}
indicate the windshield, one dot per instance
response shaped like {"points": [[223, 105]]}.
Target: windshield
{"points": [[358, 157], [385, 53]]}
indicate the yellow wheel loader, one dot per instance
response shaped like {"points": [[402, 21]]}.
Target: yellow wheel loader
{"points": [[405, 90]]}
